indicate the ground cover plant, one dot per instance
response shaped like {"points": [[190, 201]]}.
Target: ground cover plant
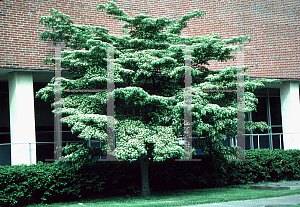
{"points": [[149, 89]]}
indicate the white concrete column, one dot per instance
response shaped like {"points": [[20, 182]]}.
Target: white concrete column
{"points": [[290, 113], [22, 118]]}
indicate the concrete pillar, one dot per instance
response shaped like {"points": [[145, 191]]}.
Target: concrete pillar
{"points": [[290, 112], [22, 118]]}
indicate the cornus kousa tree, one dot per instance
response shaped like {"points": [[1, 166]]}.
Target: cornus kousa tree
{"points": [[149, 70]]}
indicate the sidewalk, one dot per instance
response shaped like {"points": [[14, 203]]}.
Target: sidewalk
{"points": [[267, 202]]}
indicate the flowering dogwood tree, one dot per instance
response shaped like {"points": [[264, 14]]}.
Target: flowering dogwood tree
{"points": [[149, 69]]}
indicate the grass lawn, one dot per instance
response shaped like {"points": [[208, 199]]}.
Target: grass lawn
{"points": [[182, 197]]}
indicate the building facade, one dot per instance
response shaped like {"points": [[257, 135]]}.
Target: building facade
{"points": [[273, 26]]}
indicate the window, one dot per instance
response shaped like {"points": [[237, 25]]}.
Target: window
{"points": [[269, 111]]}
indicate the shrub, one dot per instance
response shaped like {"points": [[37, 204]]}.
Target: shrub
{"points": [[47, 182], [267, 165], [65, 181]]}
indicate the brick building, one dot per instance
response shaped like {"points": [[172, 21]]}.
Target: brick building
{"points": [[273, 26]]}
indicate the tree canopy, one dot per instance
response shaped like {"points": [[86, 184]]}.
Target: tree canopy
{"points": [[149, 69]]}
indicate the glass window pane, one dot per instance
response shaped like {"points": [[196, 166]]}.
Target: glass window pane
{"points": [[276, 141], [264, 142], [276, 129], [274, 92], [5, 152], [247, 143], [226, 142], [43, 110], [261, 114], [4, 103], [247, 119], [246, 116], [261, 92], [255, 142], [275, 110], [44, 151], [276, 138]]}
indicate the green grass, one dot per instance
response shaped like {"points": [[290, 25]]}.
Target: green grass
{"points": [[182, 197]]}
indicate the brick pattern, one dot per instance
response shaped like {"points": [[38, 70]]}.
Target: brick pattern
{"points": [[273, 26]]}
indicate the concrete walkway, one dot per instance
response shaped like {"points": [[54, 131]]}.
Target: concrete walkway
{"points": [[262, 202], [266, 202], [278, 186]]}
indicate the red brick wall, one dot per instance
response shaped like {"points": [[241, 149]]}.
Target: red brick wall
{"points": [[273, 26]]}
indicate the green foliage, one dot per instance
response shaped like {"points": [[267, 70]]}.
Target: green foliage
{"points": [[64, 181], [79, 154], [59, 22], [149, 92], [45, 182], [134, 137], [143, 27], [266, 166]]}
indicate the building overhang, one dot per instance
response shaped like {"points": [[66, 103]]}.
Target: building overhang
{"points": [[277, 85], [39, 75]]}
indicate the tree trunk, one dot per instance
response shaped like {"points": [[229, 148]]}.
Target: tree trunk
{"points": [[144, 163]]}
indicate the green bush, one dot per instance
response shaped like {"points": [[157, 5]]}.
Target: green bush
{"points": [[49, 182], [44, 182], [78, 154], [171, 175], [83, 178], [267, 165]]}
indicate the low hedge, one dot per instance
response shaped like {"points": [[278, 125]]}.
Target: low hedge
{"points": [[53, 182], [21, 184], [170, 175], [267, 165]]}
